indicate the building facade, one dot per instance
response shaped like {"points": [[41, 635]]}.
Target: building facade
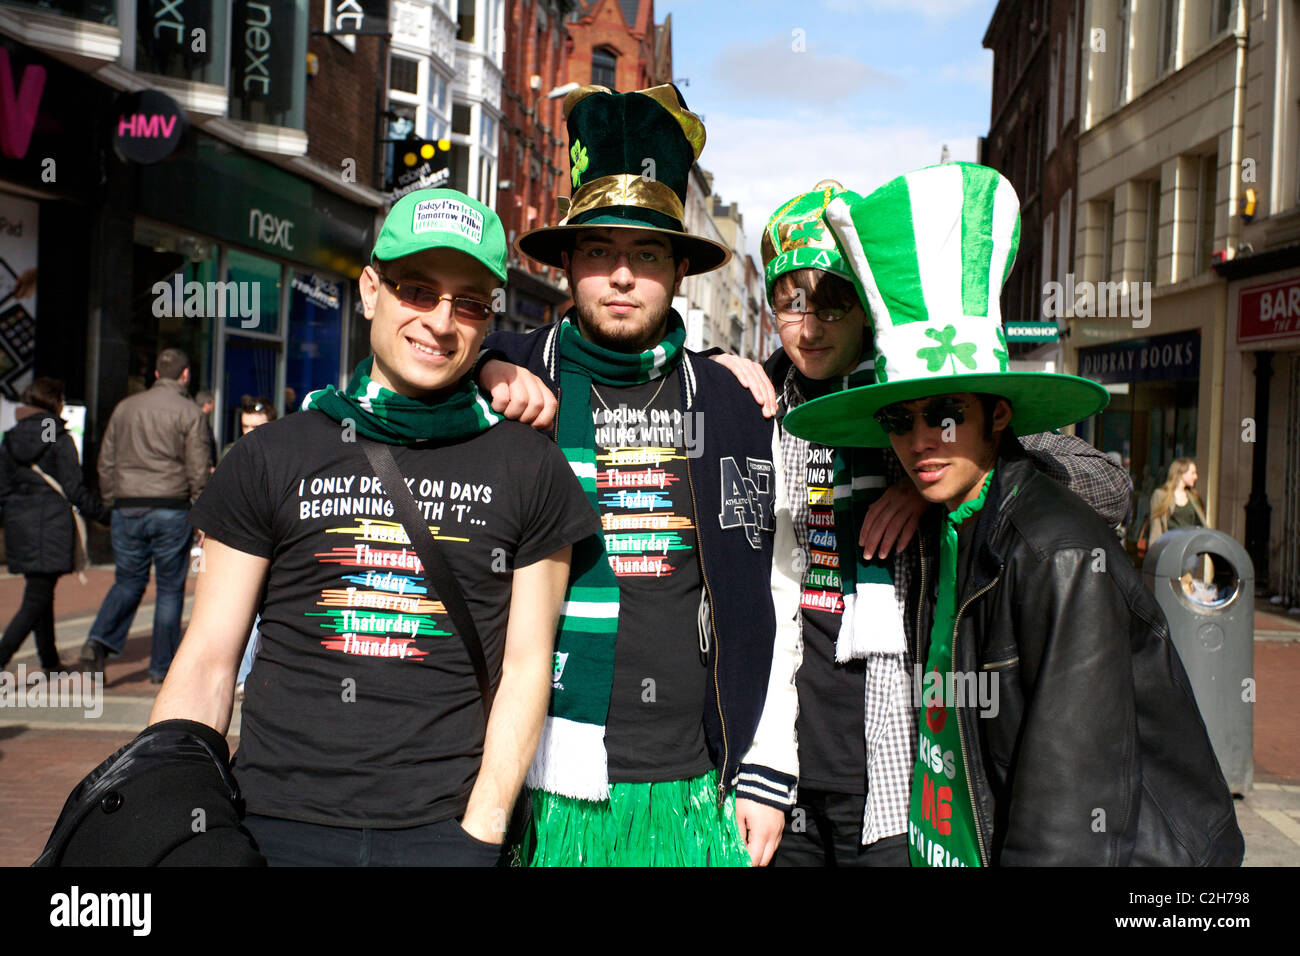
{"points": [[1161, 117], [1259, 444]]}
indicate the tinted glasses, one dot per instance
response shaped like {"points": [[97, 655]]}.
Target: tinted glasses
{"points": [[897, 419], [425, 299]]}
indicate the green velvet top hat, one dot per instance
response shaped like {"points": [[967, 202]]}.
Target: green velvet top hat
{"points": [[929, 253], [630, 159], [443, 219], [797, 237]]}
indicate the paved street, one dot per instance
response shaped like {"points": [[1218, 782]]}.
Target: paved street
{"points": [[45, 752]]}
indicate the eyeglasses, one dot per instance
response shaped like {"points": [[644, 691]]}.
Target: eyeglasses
{"points": [[897, 419], [637, 259], [791, 316], [426, 300]]}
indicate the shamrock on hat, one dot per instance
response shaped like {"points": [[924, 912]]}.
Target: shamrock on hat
{"points": [[929, 253]]}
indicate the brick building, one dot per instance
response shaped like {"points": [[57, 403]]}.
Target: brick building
{"points": [[616, 43]]}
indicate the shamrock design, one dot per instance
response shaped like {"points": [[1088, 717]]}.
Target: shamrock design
{"points": [[936, 355], [1001, 354], [578, 154], [806, 232]]}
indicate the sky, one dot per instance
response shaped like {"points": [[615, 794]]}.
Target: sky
{"points": [[859, 91]]}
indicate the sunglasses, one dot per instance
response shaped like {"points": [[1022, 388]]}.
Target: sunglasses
{"points": [[897, 419], [426, 300]]}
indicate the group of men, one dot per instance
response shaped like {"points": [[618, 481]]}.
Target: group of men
{"points": [[839, 611]]}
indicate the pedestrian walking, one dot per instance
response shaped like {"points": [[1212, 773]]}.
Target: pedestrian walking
{"points": [[153, 462], [40, 486]]}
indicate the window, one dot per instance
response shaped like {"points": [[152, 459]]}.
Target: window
{"points": [[487, 132], [459, 167], [1206, 184], [1106, 212], [1152, 247], [465, 20], [1121, 61], [1072, 53], [1224, 11], [604, 67], [404, 74], [1168, 34], [460, 118]]}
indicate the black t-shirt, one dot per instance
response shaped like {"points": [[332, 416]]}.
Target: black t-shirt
{"points": [[655, 728], [832, 697], [362, 709]]}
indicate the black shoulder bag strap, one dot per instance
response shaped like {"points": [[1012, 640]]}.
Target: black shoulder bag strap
{"points": [[437, 572]]}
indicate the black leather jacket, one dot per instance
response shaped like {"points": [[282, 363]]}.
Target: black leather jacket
{"points": [[1096, 754]]}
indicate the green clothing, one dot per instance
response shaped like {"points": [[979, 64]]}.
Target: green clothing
{"points": [[1184, 516], [941, 820], [674, 823]]}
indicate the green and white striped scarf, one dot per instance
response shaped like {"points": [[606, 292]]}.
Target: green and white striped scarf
{"points": [[383, 415], [571, 758], [870, 622]]}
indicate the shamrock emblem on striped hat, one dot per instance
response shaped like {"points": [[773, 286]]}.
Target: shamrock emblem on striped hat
{"points": [[947, 349]]}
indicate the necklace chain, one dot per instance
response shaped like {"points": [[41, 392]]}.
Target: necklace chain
{"points": [[662, 380]]}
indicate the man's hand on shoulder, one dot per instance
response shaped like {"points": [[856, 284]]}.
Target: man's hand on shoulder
{"points": [[892, 520], [761, 827], [518, 394], [751, 375]]}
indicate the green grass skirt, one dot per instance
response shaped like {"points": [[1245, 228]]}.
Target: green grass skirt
{"points": [[675, 823]]}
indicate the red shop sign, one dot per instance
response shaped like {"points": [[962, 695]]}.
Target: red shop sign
{"points": [[1269, 311]]}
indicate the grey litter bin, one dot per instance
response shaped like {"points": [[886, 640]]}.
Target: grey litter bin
{"points": [[1213, 630]]}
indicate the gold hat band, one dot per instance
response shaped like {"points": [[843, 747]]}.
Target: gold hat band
{"points": [[625, 189]]}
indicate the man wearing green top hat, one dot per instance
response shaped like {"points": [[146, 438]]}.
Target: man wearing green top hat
{"points": [[1057, 725], [363, 740], [843, 722], [664, 648]]}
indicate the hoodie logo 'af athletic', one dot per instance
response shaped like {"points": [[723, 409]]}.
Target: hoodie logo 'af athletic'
{"points": [[747, 498]]}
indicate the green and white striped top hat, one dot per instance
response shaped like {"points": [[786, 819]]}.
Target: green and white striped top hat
{"points": [[930, 252]]}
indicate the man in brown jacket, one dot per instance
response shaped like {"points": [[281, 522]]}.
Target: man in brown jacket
{"points": [[154, 461]]}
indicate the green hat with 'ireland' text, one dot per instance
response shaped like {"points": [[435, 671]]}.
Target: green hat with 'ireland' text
{"points": [[443, 219], [930, 252], [797, 237]]}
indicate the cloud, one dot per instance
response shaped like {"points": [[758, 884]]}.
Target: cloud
{"points": [[760, 163], [789, 67]]}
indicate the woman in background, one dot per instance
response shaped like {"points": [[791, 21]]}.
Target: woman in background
{"points": [[1175, 504], [40, 481]]}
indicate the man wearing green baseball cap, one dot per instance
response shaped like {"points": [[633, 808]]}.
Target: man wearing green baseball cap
{"points": [[363, 738]]}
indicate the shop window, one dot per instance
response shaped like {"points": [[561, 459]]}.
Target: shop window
{"points": [[315, 335], [404, 74], [604, 68], [172, 307], [165, 35], [251, 368], [257, 285], [97, 11], [268, 45]]}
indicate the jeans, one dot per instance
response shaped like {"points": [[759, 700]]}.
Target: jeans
{"points": [[36, 613], [825, 829], [292, 843], [141, 536]]}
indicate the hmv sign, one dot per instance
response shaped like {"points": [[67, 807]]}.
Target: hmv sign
{"points": [[147, 126]]}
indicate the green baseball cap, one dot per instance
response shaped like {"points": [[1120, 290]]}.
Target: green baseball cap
{"points": [[443, 219]]}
